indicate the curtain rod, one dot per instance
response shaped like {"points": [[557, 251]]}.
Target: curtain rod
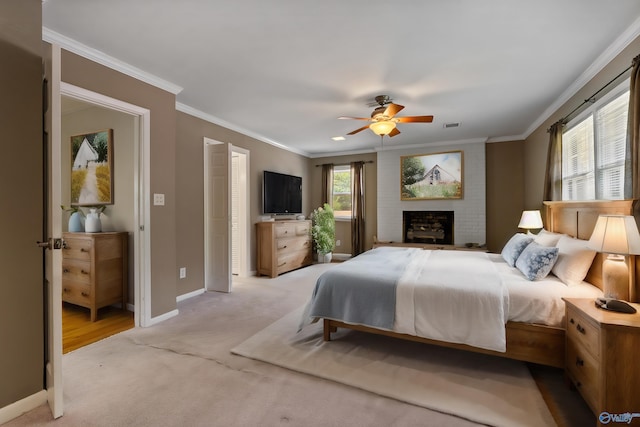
{"points": [[332, 164], [592, 99]]}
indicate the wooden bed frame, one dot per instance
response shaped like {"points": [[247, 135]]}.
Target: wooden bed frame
{"points": [[532, 342]]}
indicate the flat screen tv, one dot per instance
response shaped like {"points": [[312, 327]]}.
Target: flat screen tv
{"points": [[281, 193]]}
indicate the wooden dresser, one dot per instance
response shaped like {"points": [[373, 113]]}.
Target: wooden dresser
{"points": [[602, 358], [94, 269], [282, 246]]}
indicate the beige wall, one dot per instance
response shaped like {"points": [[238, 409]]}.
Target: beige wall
{"points": [[190, 185], [21, 284], [536, 145], [120, 215], [86, 74], [343, 228], [505, 191]]}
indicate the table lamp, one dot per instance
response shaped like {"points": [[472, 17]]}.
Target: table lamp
{"points": [[617, 236], [530, 220]]}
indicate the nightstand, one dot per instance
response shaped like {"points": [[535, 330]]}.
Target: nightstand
{"points": [[603, 358]]}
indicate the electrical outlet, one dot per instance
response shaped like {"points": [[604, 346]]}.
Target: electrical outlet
{"points": [[338, 242], [183, 272], [158, 199]]}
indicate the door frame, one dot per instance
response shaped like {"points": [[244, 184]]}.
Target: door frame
{"points": [[142, 213]]}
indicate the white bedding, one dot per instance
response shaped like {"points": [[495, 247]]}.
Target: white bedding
{"points": [[454, 296], [539, 301]]}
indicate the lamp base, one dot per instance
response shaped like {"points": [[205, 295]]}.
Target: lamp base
{"points": [[615, 277]]}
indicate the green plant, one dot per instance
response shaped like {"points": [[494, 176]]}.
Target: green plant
{"points": [[323, 229]]}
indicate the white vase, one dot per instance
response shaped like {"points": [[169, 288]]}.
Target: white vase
{"points": [[324, 258], [92, 224]]}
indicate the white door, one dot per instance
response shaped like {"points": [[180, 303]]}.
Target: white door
{"points": [[217, 161], [53, 257]]}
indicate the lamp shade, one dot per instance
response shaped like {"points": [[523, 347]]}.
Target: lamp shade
{"points": [[382, 127], [616, 234], [530, 219]]}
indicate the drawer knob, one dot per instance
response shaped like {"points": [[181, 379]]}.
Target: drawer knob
{"points": [[65, 290], [84, 294], [65, 270], [579, 362], [572, 321], [83, 250], [580, 329], [284, 247], [83, 272]]}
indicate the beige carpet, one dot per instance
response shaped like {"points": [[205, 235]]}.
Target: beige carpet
{"points": [[477, 387]]}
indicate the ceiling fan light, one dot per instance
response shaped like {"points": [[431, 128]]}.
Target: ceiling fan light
{"points": [[382, 127]]}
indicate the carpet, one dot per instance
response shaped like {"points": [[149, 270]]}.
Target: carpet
{"points": [[480, 388]]}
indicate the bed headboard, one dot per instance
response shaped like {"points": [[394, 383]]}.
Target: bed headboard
{"points": [[578, 219]]}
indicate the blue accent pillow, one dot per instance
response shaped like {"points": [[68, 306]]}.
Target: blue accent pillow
{"points": [[536, 261], [514, 247]]}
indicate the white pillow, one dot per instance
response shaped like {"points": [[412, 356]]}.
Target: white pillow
{"points": [[574, 260], [547, 238]]}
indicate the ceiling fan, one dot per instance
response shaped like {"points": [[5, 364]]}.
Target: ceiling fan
{"points": [[383, 120]]}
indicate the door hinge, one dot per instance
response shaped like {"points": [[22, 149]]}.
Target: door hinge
{"points": [[55, 243]]}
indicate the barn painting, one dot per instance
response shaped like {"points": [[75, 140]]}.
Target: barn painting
{"points": [[431, 176], [92, 168]]}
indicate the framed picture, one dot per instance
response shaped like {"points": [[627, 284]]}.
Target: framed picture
{"points": [[92, 169], [431, 176]]}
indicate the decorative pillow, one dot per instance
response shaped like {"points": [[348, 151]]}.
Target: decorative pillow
{"points": [[514, 247], [574, 260], [547, 238], [536, 261]]}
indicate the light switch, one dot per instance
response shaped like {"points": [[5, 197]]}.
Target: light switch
{"points": [[158, 199]]}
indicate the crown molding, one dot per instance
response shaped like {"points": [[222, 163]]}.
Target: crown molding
{"points": [[102, 58], [629, 35], [220, 122]]}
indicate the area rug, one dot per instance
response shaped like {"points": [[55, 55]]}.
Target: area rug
{"points": [[484, 389]]}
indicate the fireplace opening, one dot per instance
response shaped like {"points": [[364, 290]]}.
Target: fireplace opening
{"points": [[434, 227]]}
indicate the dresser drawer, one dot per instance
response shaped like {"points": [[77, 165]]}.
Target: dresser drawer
{"points": [[580, 330], [76, 270], [292, 229], [77, 248], [583, 369], [292, 244], [77, 293], [293, 260]]}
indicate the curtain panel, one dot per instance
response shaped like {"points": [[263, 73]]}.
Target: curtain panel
{"points": [[632, 170], [327, 184], [357, 208], [553, 177]]}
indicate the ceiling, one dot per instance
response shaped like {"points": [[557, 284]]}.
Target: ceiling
{"points": [[283, 71]]}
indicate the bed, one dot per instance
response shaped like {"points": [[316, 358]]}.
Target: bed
{"points": [[515, 318]]}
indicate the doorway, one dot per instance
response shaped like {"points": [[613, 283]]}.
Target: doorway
{"points": [[226, 214]]}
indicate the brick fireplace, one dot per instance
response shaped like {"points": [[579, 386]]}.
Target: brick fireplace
{"points": [[428, 227]]}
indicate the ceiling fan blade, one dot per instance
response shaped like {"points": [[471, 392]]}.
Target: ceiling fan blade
{"points": [[358, 130], [392, 110], [394, 132], [415, 119], [353, 118]]}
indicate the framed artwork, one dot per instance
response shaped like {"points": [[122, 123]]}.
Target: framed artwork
{"points": [[92, 169], [431, 176]]}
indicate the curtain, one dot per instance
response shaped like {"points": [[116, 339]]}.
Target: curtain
{"points": [[553, 177], [357, 208], [327, 183], [632, 171]]}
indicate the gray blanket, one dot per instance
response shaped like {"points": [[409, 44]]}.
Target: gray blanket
{"points": [[361, 290]]}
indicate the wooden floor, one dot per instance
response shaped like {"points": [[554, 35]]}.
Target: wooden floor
{"points": [[78, 330]]}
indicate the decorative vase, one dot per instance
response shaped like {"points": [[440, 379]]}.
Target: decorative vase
{"points": [[93, 224], [324, 258], [75, 223]]}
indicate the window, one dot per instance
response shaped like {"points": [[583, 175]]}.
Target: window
{"points": [[341, 202], [593, 150]]}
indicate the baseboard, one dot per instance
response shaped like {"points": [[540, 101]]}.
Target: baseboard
{"points": [[163, 317], [190, 295], [22, 406]]}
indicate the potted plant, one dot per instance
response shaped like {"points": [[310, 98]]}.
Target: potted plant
{"points": [[323, 232]]}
